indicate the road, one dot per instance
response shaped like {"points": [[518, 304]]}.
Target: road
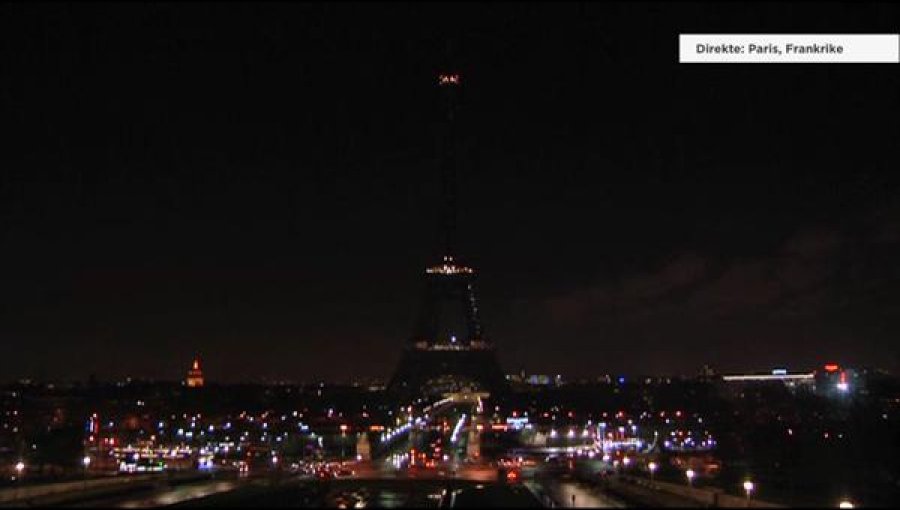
{"points": [[373, 484], [162, 495], [560, 494], [183, 493]]}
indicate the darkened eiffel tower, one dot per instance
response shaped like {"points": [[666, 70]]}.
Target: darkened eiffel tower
{"points": [[447, 352]]}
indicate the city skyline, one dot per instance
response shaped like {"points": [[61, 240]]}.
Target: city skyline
{"points": [[264, 196]]}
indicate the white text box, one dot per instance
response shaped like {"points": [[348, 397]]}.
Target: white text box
{"points": [[789, 48]]}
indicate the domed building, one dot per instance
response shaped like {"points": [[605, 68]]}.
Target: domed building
{"points": [[194, 377]]}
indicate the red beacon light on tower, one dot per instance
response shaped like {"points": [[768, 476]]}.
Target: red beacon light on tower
{"points": [[448, 79]]}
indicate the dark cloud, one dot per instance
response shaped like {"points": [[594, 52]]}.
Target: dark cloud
{"points": [[733, 305]]}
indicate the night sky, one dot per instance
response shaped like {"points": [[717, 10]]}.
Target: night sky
{"points": [[257, 184]]}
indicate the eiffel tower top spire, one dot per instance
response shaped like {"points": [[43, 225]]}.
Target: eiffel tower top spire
{"points": [[449, 82]]}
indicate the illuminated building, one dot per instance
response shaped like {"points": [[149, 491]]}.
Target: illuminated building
{"points": [[837, 380], [195, 375], [793, 381], [781, 376]]}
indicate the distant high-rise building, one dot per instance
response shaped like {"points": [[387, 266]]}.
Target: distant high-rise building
{"points": [[195, 375]]}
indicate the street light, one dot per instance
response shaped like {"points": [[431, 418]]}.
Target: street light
{"points": [[748, 488], [845, 504], [20, 466], [652, 466], [626, 461], [690, 474], [86, 462]]}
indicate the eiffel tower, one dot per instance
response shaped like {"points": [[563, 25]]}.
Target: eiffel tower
{"points": [[448, 352]]}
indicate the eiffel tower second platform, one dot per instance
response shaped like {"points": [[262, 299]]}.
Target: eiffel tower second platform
{"points": [[447, 353]]}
